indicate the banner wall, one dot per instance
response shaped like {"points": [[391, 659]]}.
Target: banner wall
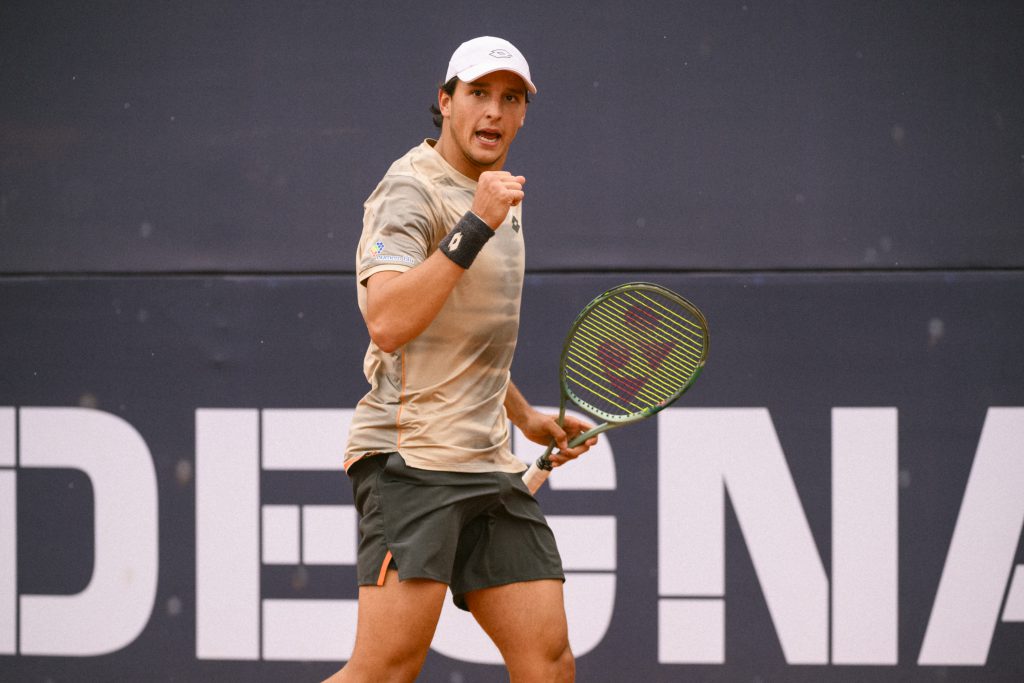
{"points": [[837, 498]]}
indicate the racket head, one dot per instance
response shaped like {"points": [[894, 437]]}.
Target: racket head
{"points": [[633, 351]]}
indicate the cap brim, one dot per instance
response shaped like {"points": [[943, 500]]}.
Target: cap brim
{"points": [[475, 72]]}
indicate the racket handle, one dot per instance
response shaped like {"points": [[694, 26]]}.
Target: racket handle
{"points": [[538, 472]]}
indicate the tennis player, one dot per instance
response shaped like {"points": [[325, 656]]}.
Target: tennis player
{"points": [[442, 504]]}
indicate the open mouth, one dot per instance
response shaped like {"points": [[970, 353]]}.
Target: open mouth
{"points": [[488, 136]]}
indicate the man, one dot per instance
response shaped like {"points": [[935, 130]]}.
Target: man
{"points": [[440, 270]]}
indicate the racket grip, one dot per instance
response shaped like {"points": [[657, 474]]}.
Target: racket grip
{"points": [[538, 472], [535, 477]]}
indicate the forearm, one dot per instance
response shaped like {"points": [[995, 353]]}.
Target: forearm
{"points": [[400, 305], [544, 429], [516, 405]]}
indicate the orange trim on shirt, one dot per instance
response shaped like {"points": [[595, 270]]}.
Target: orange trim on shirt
{"points": [[401, 404], [384, 569], [353, 461]]}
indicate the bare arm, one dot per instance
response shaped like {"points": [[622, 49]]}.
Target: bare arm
{"points": [[400, 305], [543, 429]]}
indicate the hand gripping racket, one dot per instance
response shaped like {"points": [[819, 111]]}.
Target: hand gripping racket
{"points": [[630, 353]]}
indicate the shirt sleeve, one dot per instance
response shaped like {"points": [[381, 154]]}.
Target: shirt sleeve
{"points": [[398, 227]]}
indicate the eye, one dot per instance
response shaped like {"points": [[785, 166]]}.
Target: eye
{"points": [[477, 92]]}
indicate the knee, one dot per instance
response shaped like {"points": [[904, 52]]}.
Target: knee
{"points": [[563, 665], [400, 666], [553, 662], [567, 665], [400, 672]]}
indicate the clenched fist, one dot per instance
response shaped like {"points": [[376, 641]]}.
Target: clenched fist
{"points": [[496, 193]]}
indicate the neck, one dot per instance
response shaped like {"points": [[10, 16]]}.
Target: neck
{"points": [[453, 154]]}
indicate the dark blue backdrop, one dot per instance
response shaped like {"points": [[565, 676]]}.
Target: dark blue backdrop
{"points": [[669, 135], [840, 188]]}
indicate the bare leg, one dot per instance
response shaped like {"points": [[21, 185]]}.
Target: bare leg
{"points": [[527, 622], [396, 624]]}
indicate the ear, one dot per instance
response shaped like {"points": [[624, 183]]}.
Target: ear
{"points": [[444, 102]]}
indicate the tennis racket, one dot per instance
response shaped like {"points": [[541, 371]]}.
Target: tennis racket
{"points": [[631, 352]]}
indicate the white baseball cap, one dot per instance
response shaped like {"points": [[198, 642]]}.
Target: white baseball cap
{"points": [[487, 54]]}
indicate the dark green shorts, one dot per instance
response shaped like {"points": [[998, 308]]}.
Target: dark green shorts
{"points": [[466, 530]]}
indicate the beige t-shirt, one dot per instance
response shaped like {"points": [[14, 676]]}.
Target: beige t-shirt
{"points": [[439, 400]]}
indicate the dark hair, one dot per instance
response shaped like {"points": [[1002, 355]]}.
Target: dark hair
{"points": [[449, 89]]}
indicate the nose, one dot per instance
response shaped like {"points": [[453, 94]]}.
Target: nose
{"points": [[493, 109]]}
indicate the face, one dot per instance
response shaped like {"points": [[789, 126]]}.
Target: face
{"points": [[481, 120]]}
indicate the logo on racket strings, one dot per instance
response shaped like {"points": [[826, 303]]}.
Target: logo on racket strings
{"points": [[618, 359]]}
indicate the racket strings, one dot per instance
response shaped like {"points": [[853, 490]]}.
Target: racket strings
{"points": [[691, 332], [632, 352], [629, 393], [656, 340], [675, 328]]}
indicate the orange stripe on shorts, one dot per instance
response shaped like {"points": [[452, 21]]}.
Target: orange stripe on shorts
{"points": [[384, 569]]}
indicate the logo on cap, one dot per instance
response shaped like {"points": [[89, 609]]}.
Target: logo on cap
{"points": [[500, 54]]}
